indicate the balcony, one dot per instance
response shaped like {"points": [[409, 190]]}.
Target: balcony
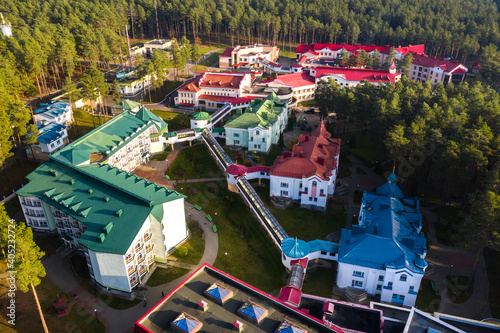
{"points": [[133, 282], [131, 271], [138, 247], [129, 258], [147, 236], [142, 270], [149, 248], [140, 259]]}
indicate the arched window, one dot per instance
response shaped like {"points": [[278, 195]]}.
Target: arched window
{"points": [[315, 183], [403, 277]]}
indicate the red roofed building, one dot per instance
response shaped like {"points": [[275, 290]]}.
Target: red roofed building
{"points": [[333, 51], [436, 70], [303, 85], [351, 77], [210, 89], [246, 56], [308, 173]]}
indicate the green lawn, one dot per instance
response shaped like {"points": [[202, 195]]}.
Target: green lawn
{"points": [[175, 120], [288, 54], [365, 146], [80, 265], [192, 163], [251, 255], [449, 213], [199, 68], [84, 123], [212, 59], [427, 299], [195, 245], [445, 234], [344, 166], [456, 288], [319, 281], [12, 207], [13, 176], [319, 224], [162, 156], [308, 103], [164, 275], [48, 244]]}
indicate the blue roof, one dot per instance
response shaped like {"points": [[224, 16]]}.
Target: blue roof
{"points": [[218, 292], [295, 248], [390, 189], [253, 311], [186, 323], [50, 133], [287, 327], [54, 108], [321, 245], [387, 234]]}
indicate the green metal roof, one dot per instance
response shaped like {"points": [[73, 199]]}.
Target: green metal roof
{"points": [[218, 130], [262, 113], [109, 137], [129, 105], [84, 199], [201, 116]]}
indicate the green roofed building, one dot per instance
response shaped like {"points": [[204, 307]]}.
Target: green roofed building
{"points": [[120, 222], [259, 126]]}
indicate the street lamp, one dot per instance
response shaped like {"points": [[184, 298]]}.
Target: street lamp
{"points": [[451, 267], [95, 311], [226, 258]]}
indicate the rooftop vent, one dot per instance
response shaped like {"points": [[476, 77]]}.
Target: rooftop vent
{"points": [[108, 227], [119, 212], [106, 199], [71, 181], [54, 173], [90, 191], [102, 237]]}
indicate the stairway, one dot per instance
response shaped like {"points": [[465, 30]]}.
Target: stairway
{"points": [[355, 295]]}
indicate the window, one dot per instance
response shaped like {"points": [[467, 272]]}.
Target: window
{"points": [[263, 139], [379, 287], [51, 145], [236, 142], [321, 192], [315, 183], [358, 273], [284, 185], [58, 142], [310, 199], [420, 68], [381, 278], [425, 70], [413, 73], [306, 189], [356, 283], [284, 192], [389, 284], [324, 253], [412, 288], [257, 133], [403, 277], [236, 135]]}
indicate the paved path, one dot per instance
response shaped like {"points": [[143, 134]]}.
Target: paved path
{"points": [[200, 180]]}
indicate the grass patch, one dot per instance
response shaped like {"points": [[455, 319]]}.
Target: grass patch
{"points": [[493, 269], [358, 196], [319, 282], [199, 68], [162, 156], [192, 163], [456, 286], [213, 59], [364, 145], [195, 245], [84, 123], [164, 275], [13, 176], [250, 251], [288, 54], [80, 265], [360, 171], [308, 103], [427, 299], [175, 120], [319, 224]]}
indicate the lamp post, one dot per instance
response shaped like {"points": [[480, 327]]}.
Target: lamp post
{"points": [[95, 311], [225, 259], [451, 267]]}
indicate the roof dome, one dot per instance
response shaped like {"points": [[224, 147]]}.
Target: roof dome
{"points": [[236, 169], [295, 248], [201, 116]]}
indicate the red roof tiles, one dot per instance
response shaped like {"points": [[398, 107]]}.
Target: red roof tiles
{"points": [[227, 52], [418, 49], [221, 80], [313, 155], [426, 61], [295, 80]]}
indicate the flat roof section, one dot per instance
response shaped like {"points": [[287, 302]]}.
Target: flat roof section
{"points": [[220, 318]]}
